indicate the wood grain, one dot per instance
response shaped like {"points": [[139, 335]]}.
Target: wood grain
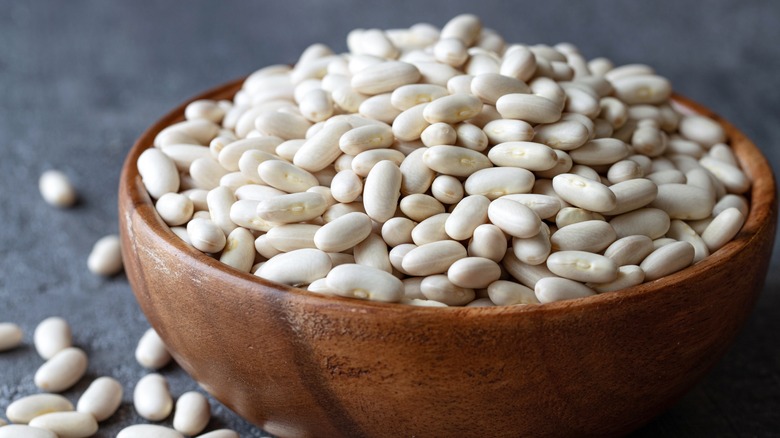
{"points": [[298, 364]]}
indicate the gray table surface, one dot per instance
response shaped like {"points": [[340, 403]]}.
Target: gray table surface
{"points": [[80, 80]]}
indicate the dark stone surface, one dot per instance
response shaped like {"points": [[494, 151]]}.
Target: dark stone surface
{"points": [[80, 80]]}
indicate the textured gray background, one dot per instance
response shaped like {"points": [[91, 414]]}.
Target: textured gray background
{"points": [[79, 81]]}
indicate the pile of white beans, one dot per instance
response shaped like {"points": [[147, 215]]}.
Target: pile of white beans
{"points": [[51, 415], [445, 167]]}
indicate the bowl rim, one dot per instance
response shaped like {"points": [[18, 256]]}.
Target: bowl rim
{"points": [[762, 198]]}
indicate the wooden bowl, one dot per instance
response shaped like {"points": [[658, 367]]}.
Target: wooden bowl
{"points": [[302, 365]]}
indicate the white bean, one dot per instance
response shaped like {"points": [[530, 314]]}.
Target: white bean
{"points": [[467, 215], [524, 273], [582, 266], [296, 267], [322, 149], [732, 177], [533, 250], [285, 176], [650, 222], [149, 430], [381, 191], [455, 160], [295, 207], [363, 138], [230, 155], [702, 130], [514, 218], [433, 258], [51, 336], [683, 201], [627, 276], [585, 193], [438, 133], [10, 336], [343, 233], [440, 288], [544, 206], [509, 293], [592, 236], [62, 371], [56, 189], [379, 108], [524, 154], [407, 96], [67, 424], [495, 182], [552, 289], [239, 250], [192, 413], [470, 136], [221, 433], [632, 194], [643, 88], [158, 173], [473, 272], [452, 109], [506, 130], [365, 161], [417, 177], [384, 77], [431, 229], [372, 251], [629, 250], [24, 409], [488, 241], [365, 282], [447, 189], [528, 107], [723, 228], [679, 230], [205, 235], [151, 351], [600, 151], [175, 208], [151, 397], [563, 135], [397, 231], [101, 399], [284, 125], [667, 259]]}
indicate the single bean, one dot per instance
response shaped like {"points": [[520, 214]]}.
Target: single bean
{"points": [[723, 228], [365, 282], [101, 399], [24, 409], [67, 424], [514, 218], [592, 236], [10, 336], [440, 288], [582, 266], [552, 289], [151, 351], [51, 336], [62, 371], [343, 233], [149, 430], [296, 267], [667, 260], [473, 272], [56, 189], [192, 413], [629, 250]]}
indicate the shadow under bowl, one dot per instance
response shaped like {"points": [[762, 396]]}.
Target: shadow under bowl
{"points": [[299, 364]]}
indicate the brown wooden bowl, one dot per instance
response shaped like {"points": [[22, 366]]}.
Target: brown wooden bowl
{"points": [[299, 364]]}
